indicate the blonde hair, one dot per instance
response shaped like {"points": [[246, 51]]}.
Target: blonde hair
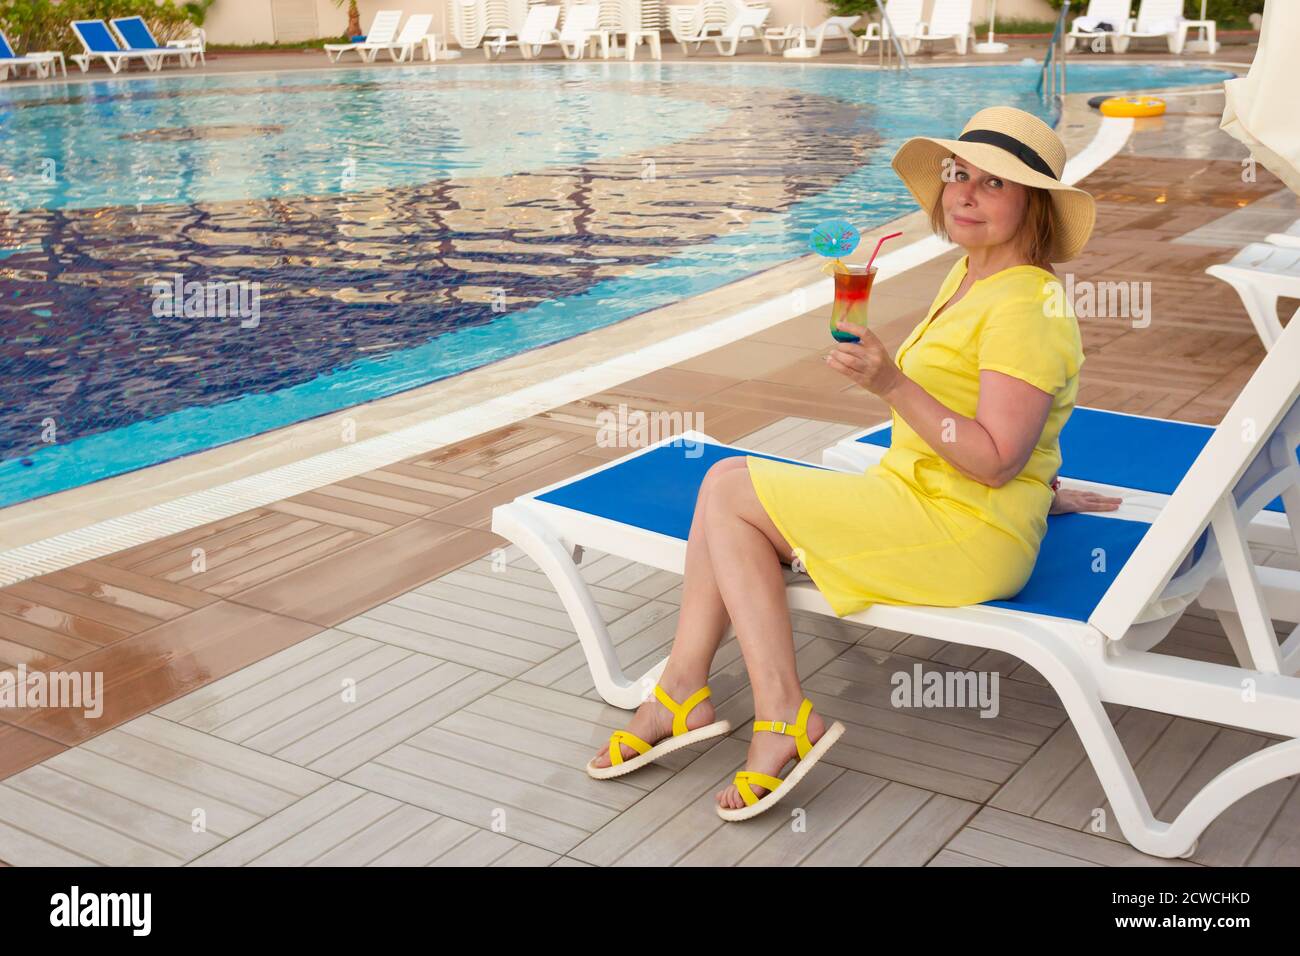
{"points": [[1036, 235]]}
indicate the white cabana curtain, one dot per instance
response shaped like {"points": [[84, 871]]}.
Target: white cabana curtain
{"points": [[1260, 108]]}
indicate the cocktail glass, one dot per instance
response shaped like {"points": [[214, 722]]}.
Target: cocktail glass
{"points": [[852, 291]]}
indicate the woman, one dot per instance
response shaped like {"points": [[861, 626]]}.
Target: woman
{"points": [[954, 512]]}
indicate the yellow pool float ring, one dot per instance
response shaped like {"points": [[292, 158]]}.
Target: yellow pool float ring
{"points": [[1132, 106]]}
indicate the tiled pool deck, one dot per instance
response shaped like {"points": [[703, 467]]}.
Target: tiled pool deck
{"points": [[474, 714]]}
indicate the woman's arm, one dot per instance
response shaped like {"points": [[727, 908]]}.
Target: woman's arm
{"points": [[992, 448]]}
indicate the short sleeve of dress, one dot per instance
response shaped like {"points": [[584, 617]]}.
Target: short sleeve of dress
{"points": [[1031, 334]]}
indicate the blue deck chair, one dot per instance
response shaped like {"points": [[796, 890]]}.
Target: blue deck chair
{"points": [[99, 44], [135, 35], [9, 60], [1089, 633]]}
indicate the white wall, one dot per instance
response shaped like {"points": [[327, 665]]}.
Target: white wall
{"points": [[250, 21]]}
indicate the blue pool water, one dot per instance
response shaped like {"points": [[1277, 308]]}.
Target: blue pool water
{"points": [[406, 225]]}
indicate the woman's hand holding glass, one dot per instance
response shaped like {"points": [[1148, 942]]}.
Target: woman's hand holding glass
{"points": [[866, 362]]}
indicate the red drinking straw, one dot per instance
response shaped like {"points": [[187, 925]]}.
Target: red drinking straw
{"points": [[892, 235]]}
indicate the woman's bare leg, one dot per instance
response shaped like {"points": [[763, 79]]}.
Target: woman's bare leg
{"points": [[748, 550], [701, 625]]}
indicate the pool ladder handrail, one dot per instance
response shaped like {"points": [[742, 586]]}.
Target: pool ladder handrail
{"points": [[1052, 75], [894, 45]]}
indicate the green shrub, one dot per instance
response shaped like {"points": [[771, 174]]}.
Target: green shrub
{"points": [[43, 24], [1230, 14]]}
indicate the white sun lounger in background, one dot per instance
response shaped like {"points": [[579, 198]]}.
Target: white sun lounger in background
{"points": [[1088, 630], [778, 39], [1262, 273], [98, 44], [746, 24], [1112, 12], [580, 29], [539, 31], [1164, 18], [383, 30], [136, 35], [949, 20], [905, 20], [405, 46]]}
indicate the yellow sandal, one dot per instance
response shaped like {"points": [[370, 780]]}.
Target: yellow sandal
{"points": [[777, 788], [647, 753]]}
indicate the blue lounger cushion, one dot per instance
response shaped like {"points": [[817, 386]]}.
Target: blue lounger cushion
{"points": [[656, 491], [1110, 448], [136, 33], [97, 37], [6, 51]]}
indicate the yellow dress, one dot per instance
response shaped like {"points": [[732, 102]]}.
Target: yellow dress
{"points": [[912, 529]]}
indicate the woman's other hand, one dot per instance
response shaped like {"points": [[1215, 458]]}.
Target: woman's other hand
{"points": [[866, 362], [1070, 500]]}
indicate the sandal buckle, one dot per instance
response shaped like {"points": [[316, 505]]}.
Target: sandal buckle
{"points": [[781, 723]]}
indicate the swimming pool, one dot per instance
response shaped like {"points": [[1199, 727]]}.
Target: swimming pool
{"points": [[188, 261]]}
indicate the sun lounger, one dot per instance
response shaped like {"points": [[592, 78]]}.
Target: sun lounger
{"points": [[905, 19], [1086, 628], [581, 30], [776, 39], [38, 63], [383, 30], [746, 24], [539, 31], [98, 44], [1114, 13], [135, 35], [949, 20], [405, 46], [1163, 18], [1262, 273]]}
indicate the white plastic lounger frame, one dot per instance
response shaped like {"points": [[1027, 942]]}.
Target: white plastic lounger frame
{"points": [[1262, 273], [383, 30], [1114, 12], [1106, 659], [42, 64], [949, 20], [905, 19]]}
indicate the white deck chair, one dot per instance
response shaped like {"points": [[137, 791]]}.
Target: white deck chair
{"points": [[135, 34], [539, 30], [98, 44], [747, 24], [776, 39], [1087, 631], [1262, 273], [949, 20], [581, 30], [406, 45], [1113, 12], [905, 18], [1290, 238], [383, 28], [1162, 18]]}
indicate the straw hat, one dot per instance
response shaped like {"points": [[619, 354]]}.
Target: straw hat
{"points": [[1013, 145]]}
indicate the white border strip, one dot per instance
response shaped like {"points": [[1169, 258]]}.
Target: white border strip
{"points": [[255, 491]]}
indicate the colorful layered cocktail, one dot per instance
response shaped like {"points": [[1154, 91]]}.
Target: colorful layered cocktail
{"points": [[852, 291]]}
